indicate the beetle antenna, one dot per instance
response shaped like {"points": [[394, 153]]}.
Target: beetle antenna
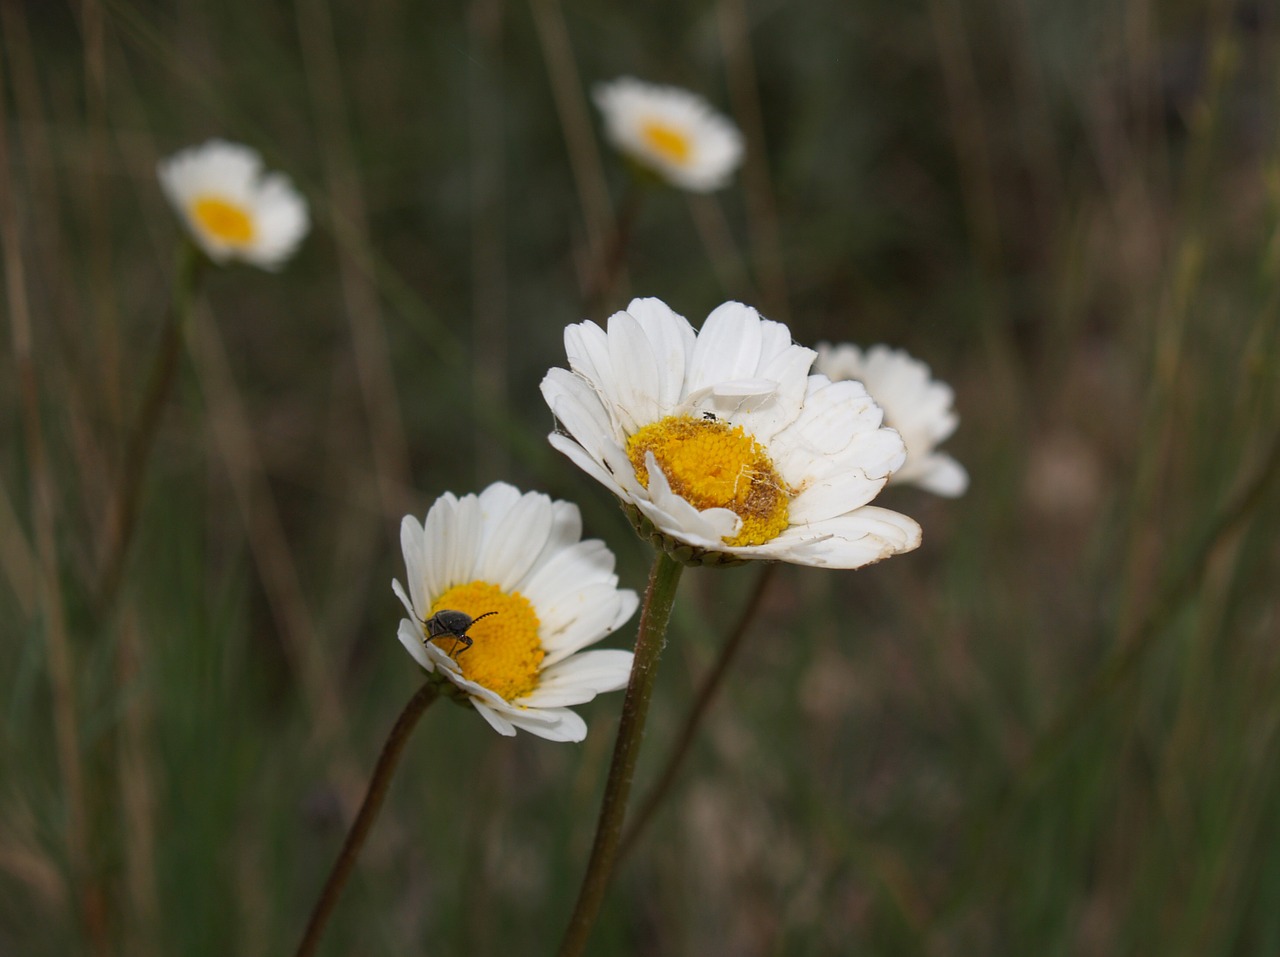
{"points": [[453, 652]]}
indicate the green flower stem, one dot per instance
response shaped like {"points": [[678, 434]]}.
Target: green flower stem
{"points": [[378, 784], [188, 271], [661, 594], [693, 719]]}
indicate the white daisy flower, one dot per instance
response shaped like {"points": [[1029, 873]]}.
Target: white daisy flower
{"points": [[671, 131], [233, 209], [535, 593], [915, 404], [720, 443]]}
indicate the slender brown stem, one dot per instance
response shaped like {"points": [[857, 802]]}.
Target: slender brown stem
{"points": [[661, 594], [164, 372], [609, 267], [378, 784], [697, 711], [575, 121], [59, 650]]}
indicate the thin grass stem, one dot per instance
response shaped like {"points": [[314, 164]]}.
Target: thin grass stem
{"points": [[368, 813], [608, 269], [90, 898], [575, 121], [123, 516]]}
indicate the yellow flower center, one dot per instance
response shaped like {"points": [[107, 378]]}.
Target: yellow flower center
{"points": [[710, 464], [667, 141], [506, 653], [222, 220]]}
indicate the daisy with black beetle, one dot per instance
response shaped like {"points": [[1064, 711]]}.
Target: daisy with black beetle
{"points": [[534, 596], [503, 596]]}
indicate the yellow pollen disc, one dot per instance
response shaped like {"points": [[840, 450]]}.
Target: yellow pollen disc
{"points": [[667, 141], [506, 653], [713, 465], [222, 220]]}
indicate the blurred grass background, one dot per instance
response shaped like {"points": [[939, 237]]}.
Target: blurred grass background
{"points": [[1051, 730]]}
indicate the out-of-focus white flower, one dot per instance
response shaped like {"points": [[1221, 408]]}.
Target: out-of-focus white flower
{"points": [[722, 445], [673, 132], [915, 404], [232, 208], [535, 595]]}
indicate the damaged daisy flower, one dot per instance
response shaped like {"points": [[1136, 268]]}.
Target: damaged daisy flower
{"points": [[722, 445]]}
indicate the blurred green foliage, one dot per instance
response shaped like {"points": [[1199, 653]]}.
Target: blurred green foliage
{"points": [[1052, 730]]}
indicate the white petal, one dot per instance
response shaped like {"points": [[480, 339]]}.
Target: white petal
{"points": [[580, 679], [628, 602], [554, 724], [834, 495], [410, 635], [833, 413], [411, 539], [672, 339], [494, 503], [584, 461], [467, 537], [639, 382], [915, 404], [565, 532], [404, 599], [587, 347], [580, 411], [581, 564], [517, 540], [676, 516], [496, 721], [437, 549], [942, 475], [862, 537], [728, 347], [592, 623]]}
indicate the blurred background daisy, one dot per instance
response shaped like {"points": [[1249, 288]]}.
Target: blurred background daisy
{"points": [[673, 132], [232, 208], [919, 407]]}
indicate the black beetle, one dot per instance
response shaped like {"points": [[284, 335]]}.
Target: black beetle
{"points": [[447, 623]]}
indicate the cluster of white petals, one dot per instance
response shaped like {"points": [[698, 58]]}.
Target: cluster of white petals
{"points": [[914, 403]]}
